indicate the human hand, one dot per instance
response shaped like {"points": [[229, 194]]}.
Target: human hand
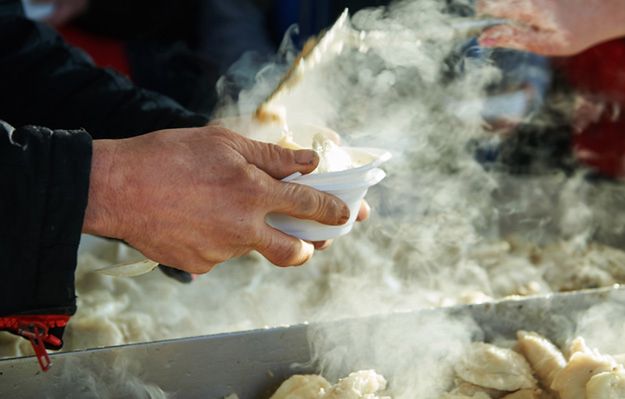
{"points": [[249, 124], [193, 198], [552, 27], [62, 10], [363, 214]]}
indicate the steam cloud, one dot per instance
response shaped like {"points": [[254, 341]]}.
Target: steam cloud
{"points": [[435, 237], [436, 234]]}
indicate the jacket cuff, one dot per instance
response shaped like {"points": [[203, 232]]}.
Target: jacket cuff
{"points": [[47, 181]]}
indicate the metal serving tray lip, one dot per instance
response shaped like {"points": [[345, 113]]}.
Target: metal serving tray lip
{"points": [[210, 366], [253, 363], [507, 301], [158, 343]]}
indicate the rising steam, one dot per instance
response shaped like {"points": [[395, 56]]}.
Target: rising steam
{"points": [[440, 226]]}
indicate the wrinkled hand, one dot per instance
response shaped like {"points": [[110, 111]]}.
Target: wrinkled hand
{"points": [[193, 198], [553, 27], [247, 124]]}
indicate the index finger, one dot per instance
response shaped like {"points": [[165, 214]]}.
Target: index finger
{"points": [[517, 10]]}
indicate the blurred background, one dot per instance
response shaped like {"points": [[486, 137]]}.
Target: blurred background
{"points": [[506, 178], [183, 51], [179, 51]]}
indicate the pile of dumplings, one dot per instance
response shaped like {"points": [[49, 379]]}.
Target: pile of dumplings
{"points": [[532, 368], [364, 384], [535, 368]]}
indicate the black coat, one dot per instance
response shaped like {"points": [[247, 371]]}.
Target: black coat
{"points": [[44, 171]]}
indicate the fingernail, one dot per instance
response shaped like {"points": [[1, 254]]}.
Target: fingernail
{"points": [[366, 205], [305, 157]]}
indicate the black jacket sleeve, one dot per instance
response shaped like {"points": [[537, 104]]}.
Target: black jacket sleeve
{"points": [[44, 181], [44, 172], [46, 82]]}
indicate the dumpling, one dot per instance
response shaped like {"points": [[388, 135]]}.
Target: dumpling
{"points": [[544, 357], [332, 158], [524, 394], [474, 391], [579, 345], [570, 382], [477, 395], [607, 385], [364, 384], [302, 387], [489, 366]]}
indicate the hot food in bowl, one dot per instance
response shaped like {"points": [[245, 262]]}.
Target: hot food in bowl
{"points": [[346, 172]]}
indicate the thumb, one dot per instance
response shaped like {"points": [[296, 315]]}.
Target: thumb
{"points": [[276, 161]]}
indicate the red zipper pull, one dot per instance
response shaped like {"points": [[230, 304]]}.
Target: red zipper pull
{"points": [[36, 328], [37, 333]]}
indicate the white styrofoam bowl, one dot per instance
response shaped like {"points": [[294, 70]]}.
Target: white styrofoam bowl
{"points": [[349, 185], [350, 192]]}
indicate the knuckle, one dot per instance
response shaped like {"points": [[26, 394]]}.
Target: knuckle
{"points": [[258, 187], [317, 205], [280, 252], [249, 177], [248, 190], [279, 157], [221, 134], [247, 173], [327, 207], [271, 150], [310, 202], [283, 154], [221, 131]]}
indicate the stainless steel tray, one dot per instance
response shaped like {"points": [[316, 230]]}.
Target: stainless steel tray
{"points": [[253, 363]]}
